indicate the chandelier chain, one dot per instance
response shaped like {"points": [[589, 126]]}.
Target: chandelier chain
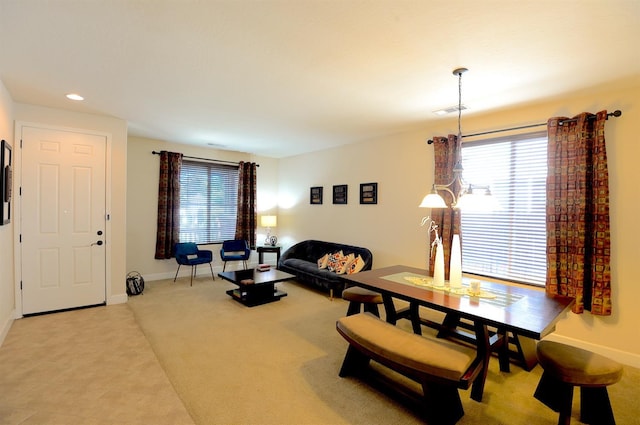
{"points": [[459, 106]]}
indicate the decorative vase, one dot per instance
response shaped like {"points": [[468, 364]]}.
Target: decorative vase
{"points": [[455, 266], [438, 272]]}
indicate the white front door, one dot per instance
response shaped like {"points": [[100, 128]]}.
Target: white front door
{"points": [[62, 219]]}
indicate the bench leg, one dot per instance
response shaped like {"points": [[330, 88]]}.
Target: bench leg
{"points": [[595, 407], [354, 308], [372, 308], [556, 395], [354, 362], [442, 404]]}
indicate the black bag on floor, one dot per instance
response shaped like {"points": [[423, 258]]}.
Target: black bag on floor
{"points": [[135, 283]]}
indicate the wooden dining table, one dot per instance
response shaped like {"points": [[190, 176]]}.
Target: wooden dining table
{"points": [[500, 314]]}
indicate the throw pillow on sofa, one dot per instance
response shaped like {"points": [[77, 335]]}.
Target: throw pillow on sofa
{"points": [[332, 264], [323, 261], [356, 265], [344, 263]]}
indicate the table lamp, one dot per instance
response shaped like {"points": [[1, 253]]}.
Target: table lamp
{"points": [[269, 221]]}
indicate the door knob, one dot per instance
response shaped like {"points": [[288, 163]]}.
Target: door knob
{"points": [[97, 243]]}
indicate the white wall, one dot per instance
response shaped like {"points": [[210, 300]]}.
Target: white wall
{"points": [[7, 294], [403, 167], [142, 203], [117, 169]]}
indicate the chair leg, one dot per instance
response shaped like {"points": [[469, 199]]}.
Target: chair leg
{"points": [[214, 278], [224, 266], [176, 276], [193, 270]]}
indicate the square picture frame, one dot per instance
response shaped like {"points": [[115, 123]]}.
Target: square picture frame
{"points": [[340, 194], [315, 195], [6, 176], [368, 193]]}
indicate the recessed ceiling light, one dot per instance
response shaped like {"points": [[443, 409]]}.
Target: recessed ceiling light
{"points": [[74, 96]]}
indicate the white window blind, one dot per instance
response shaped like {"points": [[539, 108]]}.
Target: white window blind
{"points": [[208, 202], [509, 243]]}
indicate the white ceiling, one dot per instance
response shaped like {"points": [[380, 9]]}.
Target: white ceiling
{"points": [[280, 78]]}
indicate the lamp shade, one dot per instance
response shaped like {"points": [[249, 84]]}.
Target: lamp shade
{"points": [[268, 221], [478, 200], [433, 200]]}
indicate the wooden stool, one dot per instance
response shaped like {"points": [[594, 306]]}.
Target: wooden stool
{"points": [[565, 367], [360, 296]]}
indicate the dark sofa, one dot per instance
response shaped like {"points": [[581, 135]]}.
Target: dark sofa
{"points": [[301, 261]]}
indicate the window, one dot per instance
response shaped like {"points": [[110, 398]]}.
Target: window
{"points": [[208, 202], [509, 243]]}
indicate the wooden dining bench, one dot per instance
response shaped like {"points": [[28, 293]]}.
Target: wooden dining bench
{"points": [[440, 366]]}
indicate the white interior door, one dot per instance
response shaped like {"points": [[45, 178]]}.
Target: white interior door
{"points": [[62, 219]]}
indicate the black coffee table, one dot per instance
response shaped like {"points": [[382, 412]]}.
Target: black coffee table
{"points": [[263, 289]]}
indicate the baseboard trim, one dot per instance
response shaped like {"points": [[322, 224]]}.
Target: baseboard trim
{"points": [[6, 326], [624, 357], [117, 299]]}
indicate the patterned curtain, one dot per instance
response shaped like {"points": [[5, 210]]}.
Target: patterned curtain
{"points": [[247, 210], [578, 239], [168, 230], [447, 154]]}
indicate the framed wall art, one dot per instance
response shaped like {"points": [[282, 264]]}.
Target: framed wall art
{"points": [[315, 196], [369, 193], [5, 183], [340, 194]]}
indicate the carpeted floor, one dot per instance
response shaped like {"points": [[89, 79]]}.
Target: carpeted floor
{"points": [[278, 364], [219, 362]]}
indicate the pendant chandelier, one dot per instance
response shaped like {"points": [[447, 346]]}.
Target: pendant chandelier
{"points": [[470, 196]]}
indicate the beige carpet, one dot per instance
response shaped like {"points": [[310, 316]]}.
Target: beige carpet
{"points": [[90, 366], [278, 364]]}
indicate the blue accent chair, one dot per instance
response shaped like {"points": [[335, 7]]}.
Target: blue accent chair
{"points": [[235, 250], [188, 254]]}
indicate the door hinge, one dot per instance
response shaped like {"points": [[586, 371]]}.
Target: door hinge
{"points": [[21, 285]]}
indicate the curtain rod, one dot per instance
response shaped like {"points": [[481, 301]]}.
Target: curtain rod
{"points": [[615, 113], [205, 159]]}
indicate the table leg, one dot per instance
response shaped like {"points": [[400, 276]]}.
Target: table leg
{"points": [[483, 353], [526, 351], [260, 257], [390, 309], [503, 350], [414, 312], [449, 325]]}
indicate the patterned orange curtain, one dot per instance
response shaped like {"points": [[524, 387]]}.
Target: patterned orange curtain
{"points": [[168, 222], [446, 152], [247, 222], [578, 237]]}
